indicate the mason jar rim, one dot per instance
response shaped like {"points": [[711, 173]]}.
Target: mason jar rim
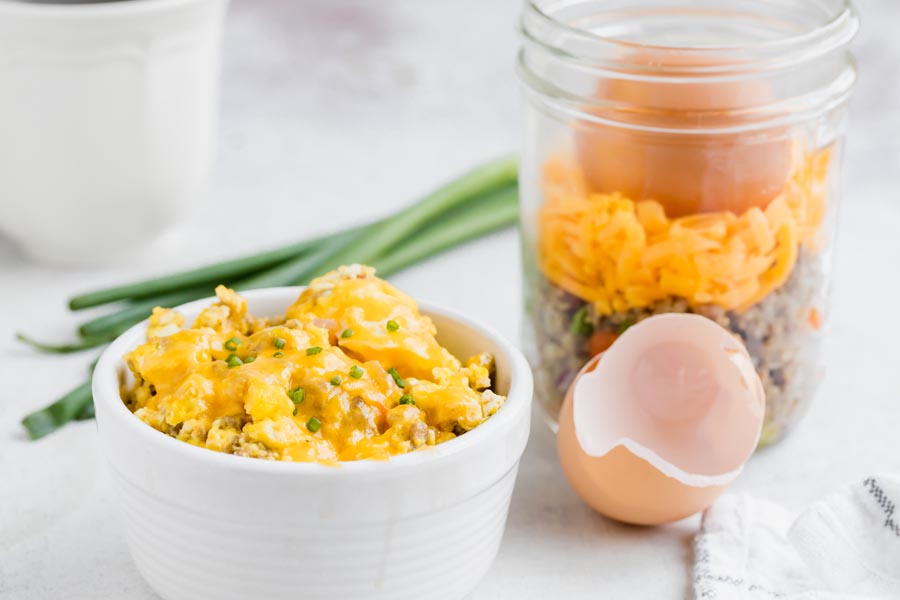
{"points": [[555, 53], [778, 53]]}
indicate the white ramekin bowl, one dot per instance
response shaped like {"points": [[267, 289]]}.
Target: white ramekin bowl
{"points": [[201, 524]]}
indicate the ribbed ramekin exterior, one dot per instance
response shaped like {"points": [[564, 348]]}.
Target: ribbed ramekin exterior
{"points": [[185, 554], [426, 524]]}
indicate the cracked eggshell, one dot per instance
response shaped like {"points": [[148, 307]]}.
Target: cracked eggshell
{"points": [[654, 429]]}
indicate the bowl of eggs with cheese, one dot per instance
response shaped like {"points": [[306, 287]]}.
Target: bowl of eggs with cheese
{"points": [[337, 441]]}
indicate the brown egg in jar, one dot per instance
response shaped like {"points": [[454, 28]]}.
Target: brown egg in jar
{"points": [[686, 172]]}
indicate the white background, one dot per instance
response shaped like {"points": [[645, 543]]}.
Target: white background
{"points": [[336, 112]]}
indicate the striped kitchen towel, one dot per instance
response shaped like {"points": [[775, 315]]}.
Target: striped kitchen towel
{"points": [[843, 547]]}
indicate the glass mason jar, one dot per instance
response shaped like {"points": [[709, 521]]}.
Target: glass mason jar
{"points": [[682, 157]]}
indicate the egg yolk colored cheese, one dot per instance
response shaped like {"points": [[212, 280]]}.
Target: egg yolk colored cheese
{"points": [[352, 371], [619, 253]]}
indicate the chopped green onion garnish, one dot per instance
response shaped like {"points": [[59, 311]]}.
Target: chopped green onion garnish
{"points": [[232, 344], [233, 361], [296, 395], [407, 399], [580, 323], [401, 383], [278, 355], [313, 350], [393, 325], [336, 380], [347, 333], [249, 359], [313, 424], [356, 372], [624, 325], [279, 343]]}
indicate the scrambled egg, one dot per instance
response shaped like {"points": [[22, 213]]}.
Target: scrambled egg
{"points": [[352, 371]]}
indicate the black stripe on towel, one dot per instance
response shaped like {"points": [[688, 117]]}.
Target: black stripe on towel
{"points": [[886, 504]]}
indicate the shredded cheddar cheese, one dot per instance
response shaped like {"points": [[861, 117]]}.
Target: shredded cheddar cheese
{"points": [[621, 254]]}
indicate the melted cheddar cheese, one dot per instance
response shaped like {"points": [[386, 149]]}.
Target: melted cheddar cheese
{"points": [[620, 254], [351, 371]]}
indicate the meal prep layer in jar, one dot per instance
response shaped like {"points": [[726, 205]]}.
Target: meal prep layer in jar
{"points": [[351, 371], [675, 162]]}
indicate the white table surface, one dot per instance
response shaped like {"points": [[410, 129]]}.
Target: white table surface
{"points": [[336, 112]]}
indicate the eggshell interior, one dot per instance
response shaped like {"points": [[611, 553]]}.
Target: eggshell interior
{"points": [[677, 391], [623, 486]]}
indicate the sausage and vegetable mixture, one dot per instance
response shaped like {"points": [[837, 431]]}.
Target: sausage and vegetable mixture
{"points": [[351, 371], [604, 262]]}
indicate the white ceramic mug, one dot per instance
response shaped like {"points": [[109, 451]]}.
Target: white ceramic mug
{"points": [[107, 121]]}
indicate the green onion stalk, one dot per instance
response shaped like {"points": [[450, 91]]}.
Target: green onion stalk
{"points": [[478, 203]]}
